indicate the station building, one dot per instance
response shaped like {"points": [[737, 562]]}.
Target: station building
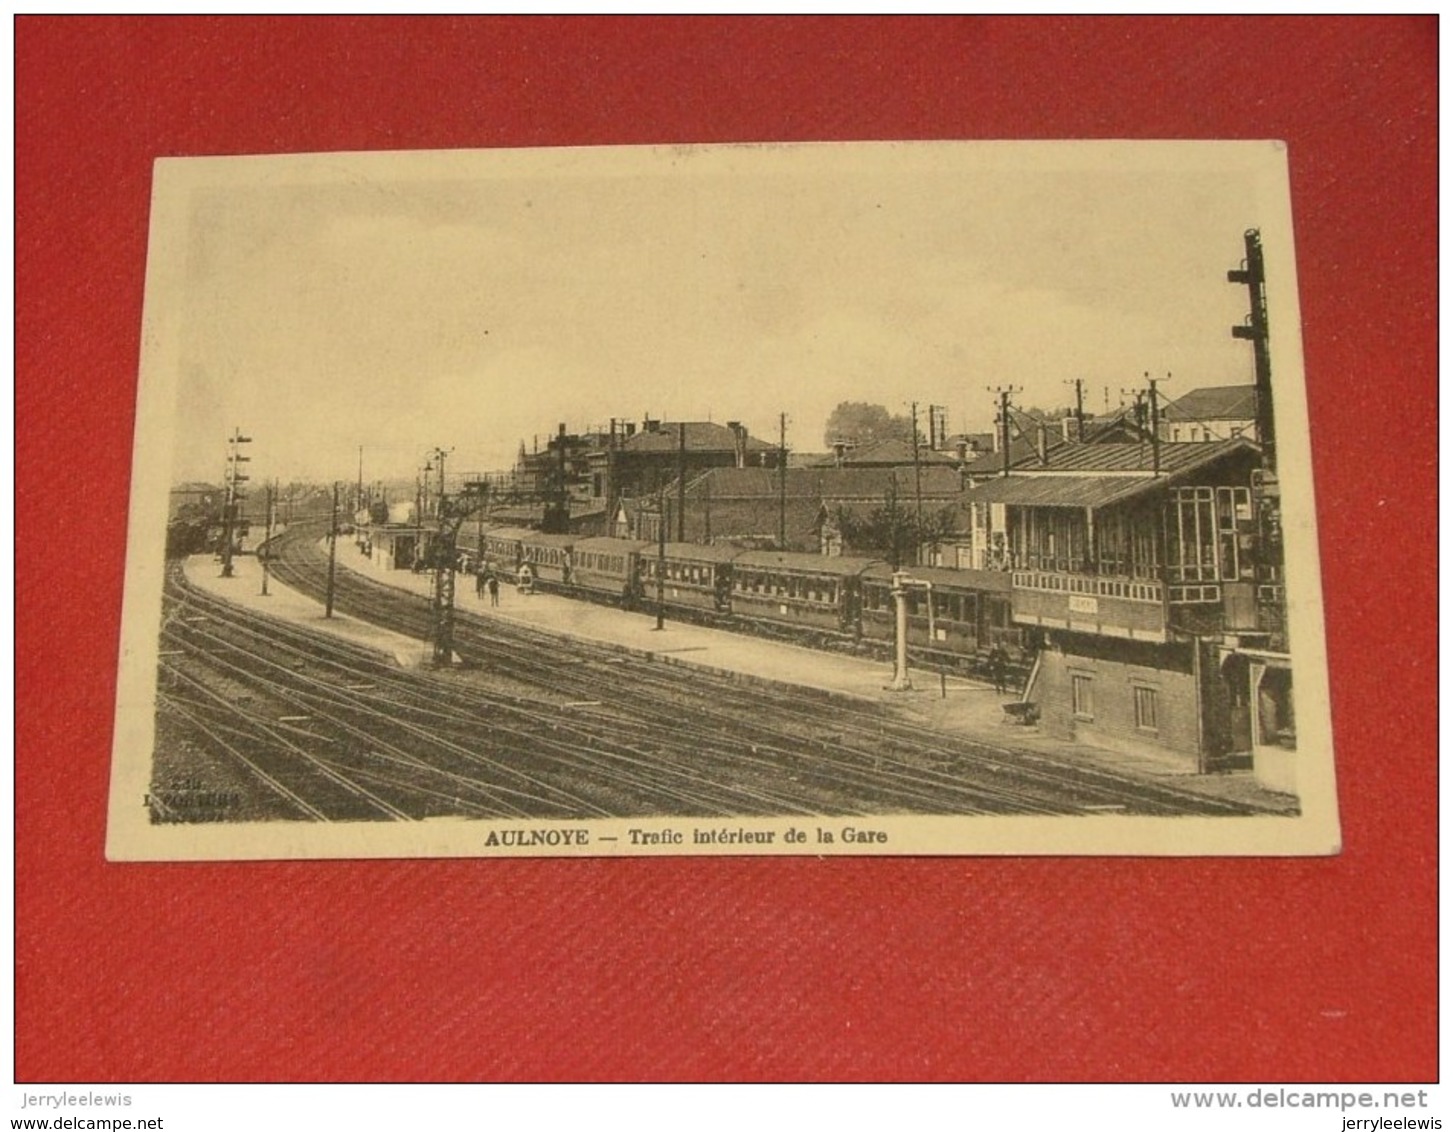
{"points": [[1142, 567]]}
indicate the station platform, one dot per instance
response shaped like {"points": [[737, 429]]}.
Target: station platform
{"points": [[950, 703], [244, 588]]}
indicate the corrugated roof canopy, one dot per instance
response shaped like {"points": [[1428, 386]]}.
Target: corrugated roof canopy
{"points": [[1051, 487], [1064, 491]]}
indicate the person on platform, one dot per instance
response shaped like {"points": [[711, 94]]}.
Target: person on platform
{"points": [[999, 668], [493, 590]]}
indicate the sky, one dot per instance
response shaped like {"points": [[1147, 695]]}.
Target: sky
{"points": [[468, 301]]}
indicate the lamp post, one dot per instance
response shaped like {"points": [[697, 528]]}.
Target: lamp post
{"points": [[901, 683], [902, 583]]}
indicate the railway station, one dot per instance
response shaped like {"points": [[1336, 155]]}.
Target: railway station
{"points": [[940, 717], [1094, 601]]}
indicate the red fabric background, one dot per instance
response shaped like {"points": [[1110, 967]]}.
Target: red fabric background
{"points": [[966, 969]]}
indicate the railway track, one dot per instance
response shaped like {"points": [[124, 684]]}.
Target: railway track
{"points": [[772, 751], [343, 735]]}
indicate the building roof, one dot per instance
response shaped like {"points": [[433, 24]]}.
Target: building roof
{"points": [[937, 481], [1119, 427], [893, 453], [1097, 475], [1063, 491], [517, 513], [978, 440], [701, 436], [749, 519], [1106, 457], [1215, 403], [863, 510], [1021, 450], [752, 483]]}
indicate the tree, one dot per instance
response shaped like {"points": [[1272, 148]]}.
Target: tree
{"points": [[860, 423], [892, 531]]}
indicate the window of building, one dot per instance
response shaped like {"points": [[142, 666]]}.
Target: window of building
{"points": [[1146, 704], [1082, 696]]}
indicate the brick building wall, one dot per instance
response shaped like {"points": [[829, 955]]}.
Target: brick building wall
{"points": [[1119, 694]]}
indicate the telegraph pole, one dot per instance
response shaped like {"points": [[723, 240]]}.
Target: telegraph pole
{"points": [[479, 531], [332, 554], [782, 483], [1080, 409], [1004, 392], [233, 496], [1252, 274], [1154, 424], [610, 480], [266, 548], [441, 454], [661, 560], [917, 483], [681, 483]]}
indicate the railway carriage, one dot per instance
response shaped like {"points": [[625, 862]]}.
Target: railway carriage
{"points": [[954, 613], [695, 577], [607, 568], [502, 550], [804, 590], [548, 557]]}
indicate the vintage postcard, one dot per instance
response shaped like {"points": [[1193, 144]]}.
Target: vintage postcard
{"points": [[893, 498]]}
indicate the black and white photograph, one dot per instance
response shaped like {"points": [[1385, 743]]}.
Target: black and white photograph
{"points": [[851, 498]]}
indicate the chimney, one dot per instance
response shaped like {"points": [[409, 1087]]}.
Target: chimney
{"points": [[739, 442], [961, 450], [651, 425], [630, 429], [839, 450], [1043, 439]]}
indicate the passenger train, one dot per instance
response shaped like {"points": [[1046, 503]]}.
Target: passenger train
{"points": [[955, 617]]}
